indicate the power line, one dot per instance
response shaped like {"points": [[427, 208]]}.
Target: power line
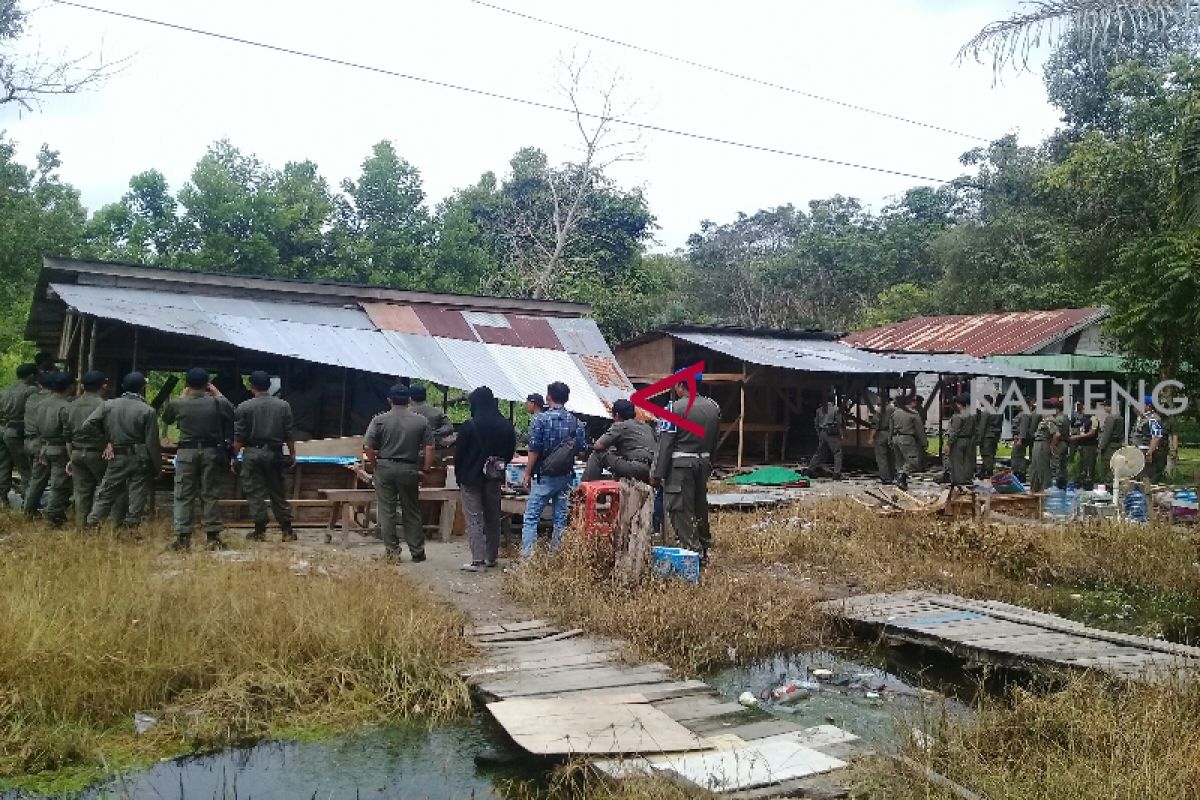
{"points": [[730, 73], [496, 95]]}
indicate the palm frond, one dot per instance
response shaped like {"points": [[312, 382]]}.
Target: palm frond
{"points": [[1185, 173], [1008, 43]]}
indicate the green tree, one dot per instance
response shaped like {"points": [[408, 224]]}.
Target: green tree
{"points": [[142, 227]]}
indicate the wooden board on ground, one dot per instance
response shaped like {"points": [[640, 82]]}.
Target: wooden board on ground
{"points": [[1011, 635], [568, 727], [758, 763]]}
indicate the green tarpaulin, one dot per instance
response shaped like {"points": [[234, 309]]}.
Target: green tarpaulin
{"points": [[769, 476]]}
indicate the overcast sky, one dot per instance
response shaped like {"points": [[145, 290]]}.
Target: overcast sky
{"points": [[180, 92]]}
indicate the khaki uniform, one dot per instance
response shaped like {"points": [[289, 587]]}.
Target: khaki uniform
{"points": [[442, 427], [1088, 450], [39, 471], [87, 458], [262, 425], [1040, 466], [683, 462], [988, 428], [828, 423], [1062, 454], [52, 429], [885, 459], [629, 450], [908, 440], [1024, 425], [1108, 443], [204, 425], [399, 438], [962, 447], [130, 425], [17, 397]]}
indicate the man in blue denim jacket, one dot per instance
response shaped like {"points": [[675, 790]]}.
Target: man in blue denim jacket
{"points": [[547, 431]]}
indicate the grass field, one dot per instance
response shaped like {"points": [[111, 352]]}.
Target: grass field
{"points": [[219, 651]]}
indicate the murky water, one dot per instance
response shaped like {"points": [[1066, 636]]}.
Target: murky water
{"points": [[870, 698], [395, 762]]}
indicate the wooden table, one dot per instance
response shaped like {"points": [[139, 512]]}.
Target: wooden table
{"points": [[353, 507]]}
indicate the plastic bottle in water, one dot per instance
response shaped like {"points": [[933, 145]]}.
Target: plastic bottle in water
{"points": [[1135, 505]]}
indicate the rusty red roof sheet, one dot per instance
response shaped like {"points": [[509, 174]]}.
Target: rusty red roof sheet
{"points": [[1005, 333]]}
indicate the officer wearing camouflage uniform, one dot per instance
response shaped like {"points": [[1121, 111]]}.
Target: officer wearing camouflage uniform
{"points": [[1109, 440], [682, 466], [204, 417], [261, 427], [881, 440], [962, 442], [828, 423], [130, 429], [12, 435], [52, 427], [908, 438], [989, 425], [1046, 438], [87, 465], [1024, 425], [626, 449], [1149, 436], [399, 443]]}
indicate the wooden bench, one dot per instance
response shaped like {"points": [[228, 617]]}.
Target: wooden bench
{"points": [[353, 508]]}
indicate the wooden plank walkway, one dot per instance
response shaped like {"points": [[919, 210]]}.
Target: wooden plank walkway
{"points": [[1008, 635], [558, 692]]}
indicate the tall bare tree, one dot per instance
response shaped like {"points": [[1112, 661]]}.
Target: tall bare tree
{"points": [[26, 78]]}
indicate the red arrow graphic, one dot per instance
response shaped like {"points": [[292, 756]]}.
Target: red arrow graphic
{"points": [[642, 398]]}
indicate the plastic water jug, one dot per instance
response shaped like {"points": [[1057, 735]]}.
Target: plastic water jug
{"points": [[1135, 505], [1056, 503]]}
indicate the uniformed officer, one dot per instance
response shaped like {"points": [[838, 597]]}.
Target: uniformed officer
{"points": [[1078, 422], [908, 439], [130, 428], [989, 425], [1023, 427], [828, 423], [53, 429], [1046, 438], [261, 427], [1109, 440], [881, 440], [626, 449], [205, 419], [87, 465], [1061, 452], [399, 443], [1085, 443], [12, 438], [439, 423], [39, 471], [962, 442], [682, 466], [1148, 436]]}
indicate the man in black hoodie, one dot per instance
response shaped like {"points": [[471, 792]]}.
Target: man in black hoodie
{"points": [[485, 445]]}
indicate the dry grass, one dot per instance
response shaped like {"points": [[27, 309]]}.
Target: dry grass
{"points": [[842, 543], [221, 651], [730, 616], [1088, 740]]}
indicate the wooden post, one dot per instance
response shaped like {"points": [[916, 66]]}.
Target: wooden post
{"points": [[741, 416], [136, 339], [342, 421], [91, 359], [787, 423]]}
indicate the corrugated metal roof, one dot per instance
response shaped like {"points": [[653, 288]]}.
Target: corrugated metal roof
{"points": [[511, 372], [1008, 333], [816, 355]]}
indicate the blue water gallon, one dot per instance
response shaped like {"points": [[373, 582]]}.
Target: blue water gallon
{"points": [[1071, 500], [1056, 502], [1136, 509]]}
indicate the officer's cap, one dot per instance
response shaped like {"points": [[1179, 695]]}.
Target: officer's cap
{"points": [[399, 394], [197, 378], [963, 399], [624, 409], [93, 379], [25, 370], [416, 391], [62, 381], [1056, 402], [134, 382], [537, 399], [260, 380]]}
